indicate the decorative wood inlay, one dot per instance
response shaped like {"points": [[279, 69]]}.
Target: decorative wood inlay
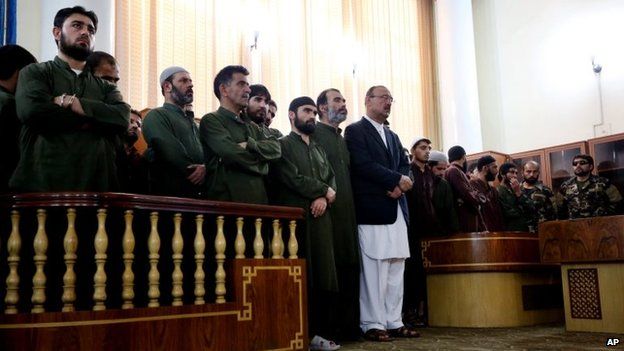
{"points": [[14, 245], [582, 240], [584, 293], [200, 246], [177, 244], [153, 245], [220, 245], [239, 243], [70, 243], [40, 245], [293, 246], [128, 242], [99, 279], [258, 243], [277, 244]]}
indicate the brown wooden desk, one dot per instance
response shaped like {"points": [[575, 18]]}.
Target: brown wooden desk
{"points": [[591, 253], [490, 280]]}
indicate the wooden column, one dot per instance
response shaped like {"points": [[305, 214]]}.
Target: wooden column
{"points": [[200, 245], [99, 279], [40, 245], [70, 244], [128, 242], [220, 245], [153, 245], [14, 245]]}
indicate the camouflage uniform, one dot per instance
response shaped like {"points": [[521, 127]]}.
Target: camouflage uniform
{"points": [[594, 197], [539, 205]]}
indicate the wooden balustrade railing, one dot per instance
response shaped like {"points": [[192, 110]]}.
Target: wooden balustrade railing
{"points": [[114, 226]]}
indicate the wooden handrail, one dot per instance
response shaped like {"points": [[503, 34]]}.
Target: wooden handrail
{"points": [[146, 202]]}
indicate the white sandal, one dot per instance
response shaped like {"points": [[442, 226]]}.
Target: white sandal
{"points": [[319, 343]]}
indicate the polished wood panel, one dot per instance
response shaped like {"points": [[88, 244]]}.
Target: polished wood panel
{"points": [[261, 317], [582, 240], [610, 279], [485, 300], [482, 252]]}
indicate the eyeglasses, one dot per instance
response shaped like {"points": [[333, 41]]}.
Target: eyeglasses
{"points": [[384, 97], [579, 163]]}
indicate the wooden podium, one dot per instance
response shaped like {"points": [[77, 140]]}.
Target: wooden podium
{"points": [[490, 280], [591, 253]]}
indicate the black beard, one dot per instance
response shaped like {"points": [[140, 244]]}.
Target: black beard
{"points": [[131, 138], [256, 118], [76, 52], [179, 98], [464, 167], [530, 181], [490, 177], [582, 173], [305, 128]]}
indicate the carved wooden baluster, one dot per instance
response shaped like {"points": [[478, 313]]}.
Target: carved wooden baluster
{"points": [[14, 245], [293, 246], [258, 242], [200, 246], [70, 243], [153, 244], [99, 279], [127, 278], [239, 243], [177, 244], [277, 243], [220, 258], [40, 245]]}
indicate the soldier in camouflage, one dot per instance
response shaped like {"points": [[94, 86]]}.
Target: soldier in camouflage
{"points": [[538, 198], [587, 195]]}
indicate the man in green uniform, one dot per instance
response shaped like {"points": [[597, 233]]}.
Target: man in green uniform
{"points": [[306, 180], [71, 119], [332, 110], [587, 195], [258, 109], [237, 152], [538, 197], [269, 119], [174, 151], [513, 204], [12, 59], [103, 65], [443, 202]]}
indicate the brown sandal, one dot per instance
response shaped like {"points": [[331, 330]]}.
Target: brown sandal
{"points": [[404, 332], [377, 335]]}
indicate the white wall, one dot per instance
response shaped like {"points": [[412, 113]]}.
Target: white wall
{"points": [[536, 84], [35, 19], [457, 75]]}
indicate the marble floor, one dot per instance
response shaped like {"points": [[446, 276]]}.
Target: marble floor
{"points": [[549, 337]]}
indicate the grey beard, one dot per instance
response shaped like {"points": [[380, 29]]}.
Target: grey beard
{"points": [[180, 98], [335, 117]]}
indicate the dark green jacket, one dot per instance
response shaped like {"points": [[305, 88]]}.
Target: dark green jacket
{"points": [[303, 174], [9, 138], [444, 205], [515, 213], [346, 244], [61, 150], [173, 145], [234, 173]]}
